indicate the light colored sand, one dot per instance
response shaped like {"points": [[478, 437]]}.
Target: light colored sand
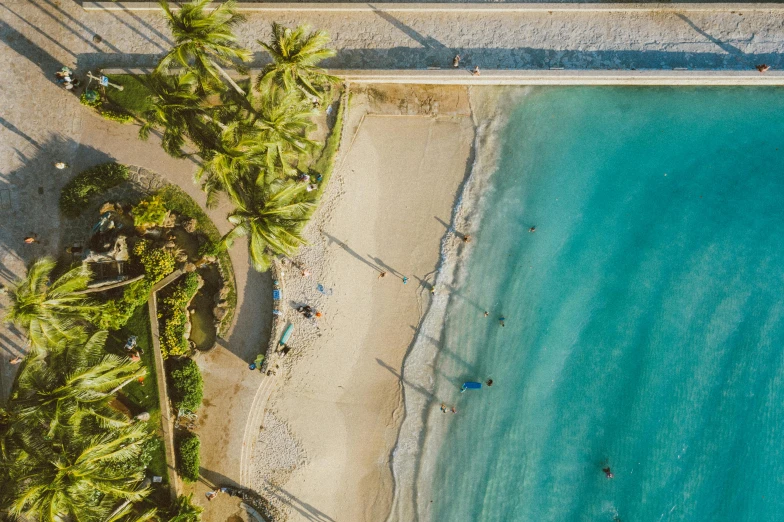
{"points": [[341, 398]]}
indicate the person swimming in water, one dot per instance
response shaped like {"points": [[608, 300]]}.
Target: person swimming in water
{"points": [[607, 472]]}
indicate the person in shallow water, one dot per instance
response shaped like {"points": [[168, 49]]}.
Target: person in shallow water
{"points": [[501, 321], [607, 472], [489, 382]]}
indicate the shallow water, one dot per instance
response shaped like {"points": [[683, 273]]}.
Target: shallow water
{"points": [[644, 316]]}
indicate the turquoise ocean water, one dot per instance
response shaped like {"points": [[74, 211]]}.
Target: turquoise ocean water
{"points": [[644, 316]]}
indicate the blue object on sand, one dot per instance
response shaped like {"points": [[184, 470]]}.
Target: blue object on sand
{"points": [[276, 295], [470, 385], [286, 334]]}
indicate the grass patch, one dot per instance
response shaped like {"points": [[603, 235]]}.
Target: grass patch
{"points": [[139, 397], [325, 165], [134, 96], [78, 192], [178, 201]]}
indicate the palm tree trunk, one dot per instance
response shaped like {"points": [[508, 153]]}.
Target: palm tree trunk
{"points": [[228, 78]]}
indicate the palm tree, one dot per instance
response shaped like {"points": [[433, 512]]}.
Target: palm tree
{"points": [[273, 217], [295, 56], [177, 109], [66, 453], [284, 118], [231, 164], [205, 41], [77, 474], [48, 311], [185, 511], [73, 384]]}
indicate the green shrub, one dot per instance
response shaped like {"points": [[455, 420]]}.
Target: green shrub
{"points": [[113, 115], [188, 460], [184, 510], [77, 193], [157, 264], [186, 385], [174, 316], [150, 212], [90, 98]]}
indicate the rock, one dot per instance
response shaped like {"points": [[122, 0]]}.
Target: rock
{"points": [[220, 312], [110, 207], [190, 267], [182, 257], [224, 292], [170, 245], [120, 250], [190, 225], [170, 220]]}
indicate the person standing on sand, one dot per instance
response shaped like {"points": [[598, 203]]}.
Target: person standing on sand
{"points": [[476, 72], [381, 274], [405, 280], [466, 238]]}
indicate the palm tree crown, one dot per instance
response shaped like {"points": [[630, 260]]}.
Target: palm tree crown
{"points": [[204, 41], [49, 311], [273, 218], [295, 56]]}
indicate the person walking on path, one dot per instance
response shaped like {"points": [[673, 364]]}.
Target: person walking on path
{"points": [[31, 239], [16, 360], [60, 165]]}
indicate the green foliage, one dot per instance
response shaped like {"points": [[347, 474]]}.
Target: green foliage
{"points": [[150, 212], [115, 115], [186, 385], [174, 316], [184, 510], [90, 98], [188, 459], [134, 98], [77, 193], [51, 311], [178, 201], [67, 453], [157, 264], [326, 162]]}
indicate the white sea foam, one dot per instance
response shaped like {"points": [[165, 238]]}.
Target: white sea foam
{"points": [[415, 454]]}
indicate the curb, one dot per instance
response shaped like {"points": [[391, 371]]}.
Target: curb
{"points": [[455, 7], [545, 77]]}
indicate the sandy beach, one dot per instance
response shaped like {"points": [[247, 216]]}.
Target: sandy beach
{"points": [[324, 449]]}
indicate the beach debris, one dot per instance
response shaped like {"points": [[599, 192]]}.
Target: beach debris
{"points": [[325, 291]]}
